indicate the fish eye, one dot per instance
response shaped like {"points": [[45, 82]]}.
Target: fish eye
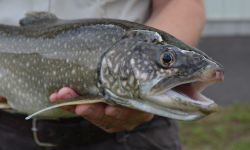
{"points": [[166, 59]]}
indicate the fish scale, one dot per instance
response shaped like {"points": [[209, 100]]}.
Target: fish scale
{"points": [[52, 70]]}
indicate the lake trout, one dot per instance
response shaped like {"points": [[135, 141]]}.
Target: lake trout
{"points": [[104, 60]]}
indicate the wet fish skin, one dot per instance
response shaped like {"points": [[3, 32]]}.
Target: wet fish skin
{"points": [[37, 61], [114, 59]]}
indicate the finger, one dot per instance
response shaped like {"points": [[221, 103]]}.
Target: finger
{"points": [[53, 97], [91, 111], [95, 113], [131, 118], [112, 118], [127, 114], [66, 93], [63, 93], [116, 112], [112, 125]]}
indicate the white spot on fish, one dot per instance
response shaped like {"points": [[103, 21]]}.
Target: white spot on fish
{"points": [[146, 62], [109, 63], [137, 73], [26, 85], [127, 71], [54, 73], [113, 40], [162, 70], [19, 80], [66, 74], [73, 71], [8, 85], [91, 67], [144, 76], [131, 80], [132, 61], [119, 91], [65, 45], [116, 68]]}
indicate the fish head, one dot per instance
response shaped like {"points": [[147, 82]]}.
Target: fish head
{"points": [[162, 79]]}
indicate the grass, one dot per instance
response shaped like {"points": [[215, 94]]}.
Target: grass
{"points": [[229, 129]]}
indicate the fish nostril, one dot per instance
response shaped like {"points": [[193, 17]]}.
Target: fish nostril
{"points": [[218, 74]]}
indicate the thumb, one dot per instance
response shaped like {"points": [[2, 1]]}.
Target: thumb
{"points": [[64, 93]]}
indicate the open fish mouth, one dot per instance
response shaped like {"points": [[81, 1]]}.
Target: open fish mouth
{"points": [[192, 91], [184, 101]]}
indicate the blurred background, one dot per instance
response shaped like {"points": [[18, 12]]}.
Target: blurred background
{"points": [[226, 38]]}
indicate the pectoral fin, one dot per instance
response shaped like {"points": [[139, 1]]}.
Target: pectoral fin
{"points": [[79, 100]]}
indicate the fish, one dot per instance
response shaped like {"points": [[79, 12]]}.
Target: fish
{"points": [[113, 61]]}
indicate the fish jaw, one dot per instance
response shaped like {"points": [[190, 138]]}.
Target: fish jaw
{"points": [[176, 103], [185, 101]]}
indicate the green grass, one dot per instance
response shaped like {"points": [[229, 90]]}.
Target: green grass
{"points": [[229, 129]]}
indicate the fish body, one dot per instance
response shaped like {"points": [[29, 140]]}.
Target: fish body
{"points": [[122, 62]]}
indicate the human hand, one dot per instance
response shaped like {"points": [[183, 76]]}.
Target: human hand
{"points": [[107, 117]]}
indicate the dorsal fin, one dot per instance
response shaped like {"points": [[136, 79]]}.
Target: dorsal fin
{"points": [[146, 35], [38, 18]]}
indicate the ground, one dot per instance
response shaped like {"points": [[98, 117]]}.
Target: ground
{"points": [[233, 53], [229, 129]]}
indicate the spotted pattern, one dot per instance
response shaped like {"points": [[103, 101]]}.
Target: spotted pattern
{"points": [[92, 57], [32, 67]]}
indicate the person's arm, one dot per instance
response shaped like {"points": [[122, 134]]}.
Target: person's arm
{"points": [[182, 18]]}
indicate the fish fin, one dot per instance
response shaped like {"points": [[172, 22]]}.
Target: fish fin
{"points": [[146, 35], [38, 18], [77, 101]]}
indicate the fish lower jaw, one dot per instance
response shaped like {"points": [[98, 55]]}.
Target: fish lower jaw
{"points": [[188, 96], [185, 100], [157, 108], [186, 107], [168, 112]]}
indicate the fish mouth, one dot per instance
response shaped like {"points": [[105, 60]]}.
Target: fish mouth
{"points": [[185, 101]]}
